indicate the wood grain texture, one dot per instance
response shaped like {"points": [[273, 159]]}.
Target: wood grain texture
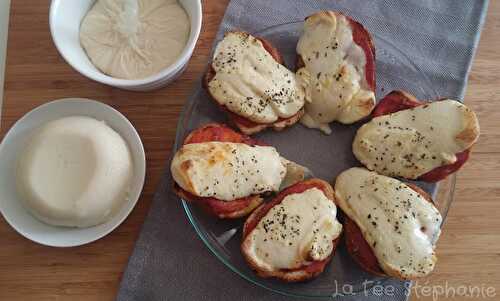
{"points": [[469, 249]]}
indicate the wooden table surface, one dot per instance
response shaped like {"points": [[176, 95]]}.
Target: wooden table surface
{"points": [[469, 248]]}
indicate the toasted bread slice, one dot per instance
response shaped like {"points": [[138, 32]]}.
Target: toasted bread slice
{"points": [[333, 67], [237, 208], [395, 237], [221, 209], [245, 125], [361, 37], [305, 272], [359, 249], [399, 102]]}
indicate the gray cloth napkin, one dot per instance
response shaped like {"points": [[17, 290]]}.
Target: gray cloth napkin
{"points": [[170, 262]]}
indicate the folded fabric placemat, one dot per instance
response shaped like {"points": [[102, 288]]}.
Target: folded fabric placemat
{"points": [[170, 262]]}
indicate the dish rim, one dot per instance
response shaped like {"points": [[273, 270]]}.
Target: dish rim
{"points": [[165, 74], [133, 199]]}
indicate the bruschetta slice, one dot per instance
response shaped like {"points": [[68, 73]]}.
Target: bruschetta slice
{"points": [[391, 227], [416, 140], [228, 172], [294, 236], [248, 80], [336, 67]]}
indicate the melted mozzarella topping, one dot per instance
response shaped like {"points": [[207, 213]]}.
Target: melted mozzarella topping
{"points": [[334, 73], [227, 171], [250, 83], [400, 225], [295, 232], [412, 142]]}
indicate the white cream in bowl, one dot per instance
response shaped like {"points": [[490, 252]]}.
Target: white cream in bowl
{"points": [[134, 39], [65, 20], [74, 172]]}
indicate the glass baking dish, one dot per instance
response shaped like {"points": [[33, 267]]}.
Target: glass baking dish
{"points": [[326, 156]]}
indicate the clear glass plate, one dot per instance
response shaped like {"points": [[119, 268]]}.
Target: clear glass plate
{"points": [[327, 158]]}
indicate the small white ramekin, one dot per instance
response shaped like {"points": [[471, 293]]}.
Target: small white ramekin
{"points": [[65, 18]]}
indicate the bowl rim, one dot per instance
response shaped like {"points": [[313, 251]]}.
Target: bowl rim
{"points": [[168, 72], [119, 217]]}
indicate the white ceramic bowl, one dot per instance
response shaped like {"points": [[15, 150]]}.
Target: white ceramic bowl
{"points": [[15, 141], [65, 18]]}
